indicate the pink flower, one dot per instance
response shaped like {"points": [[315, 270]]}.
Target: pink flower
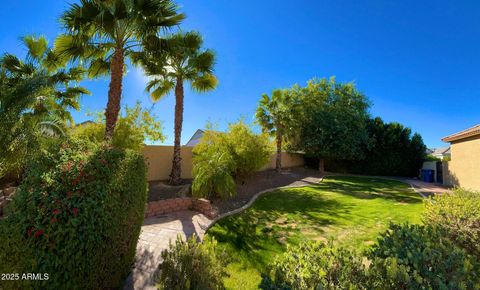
{"points": [[38, 233], [29, 232], [56, 211], [75, 211]]}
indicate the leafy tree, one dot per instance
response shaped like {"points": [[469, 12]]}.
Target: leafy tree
{"points": [[183, 61], [36, 95], [133, 128], [332, 120], [104, 33], [274, 114]]}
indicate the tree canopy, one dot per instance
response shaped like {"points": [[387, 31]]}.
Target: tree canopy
{"points": [[331, 120]]}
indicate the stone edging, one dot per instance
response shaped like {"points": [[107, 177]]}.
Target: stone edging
{"points": [[252, 200]]}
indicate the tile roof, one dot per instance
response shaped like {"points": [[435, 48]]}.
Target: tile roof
{"points": [[473, 131]]}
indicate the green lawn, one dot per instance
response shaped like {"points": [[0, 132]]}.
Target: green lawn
{"points": [[350, 210]]}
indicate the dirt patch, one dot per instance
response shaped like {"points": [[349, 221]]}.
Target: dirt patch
{"points": [[160, 190]]}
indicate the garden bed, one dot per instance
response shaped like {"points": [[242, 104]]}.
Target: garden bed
{"points": [[263, 180], [161, 190]]}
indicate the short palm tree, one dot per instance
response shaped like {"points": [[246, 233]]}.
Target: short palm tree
{"points": [[182, 61], [104, 33], [273, 115], [36, 96]]}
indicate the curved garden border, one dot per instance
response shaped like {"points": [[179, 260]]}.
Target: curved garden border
{"points": [[252, 200]]}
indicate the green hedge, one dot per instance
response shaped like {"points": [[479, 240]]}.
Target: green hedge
{"points": [[76, 217]]}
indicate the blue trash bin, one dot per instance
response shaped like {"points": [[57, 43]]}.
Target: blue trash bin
{"points": [[427, 175]]}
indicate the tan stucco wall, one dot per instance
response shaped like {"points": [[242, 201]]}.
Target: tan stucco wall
{"points": [[159, 161], [464, 167]]}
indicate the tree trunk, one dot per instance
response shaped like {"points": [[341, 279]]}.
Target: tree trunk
{"points": [[278, 163], [114, 92], [176, 174], [321, 165]]}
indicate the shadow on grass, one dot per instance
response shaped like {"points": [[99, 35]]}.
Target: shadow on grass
{"points": [[259, 231], [370, 188]]}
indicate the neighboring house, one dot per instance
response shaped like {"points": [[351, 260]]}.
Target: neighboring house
{"points": [[441, 153], [84, 123], [195, 138], [464, 168]]}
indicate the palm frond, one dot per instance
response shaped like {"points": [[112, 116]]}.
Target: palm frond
{"points": [[204, 83], [98, 67], [159, 88], [37, 46]]}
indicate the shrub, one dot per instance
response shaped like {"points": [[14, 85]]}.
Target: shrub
{"points": [[219, 158], [212, 173], [458, 214], [77, 216], [315, 266], [418, 257], [250, 152], [192, 265], [132, 129]]}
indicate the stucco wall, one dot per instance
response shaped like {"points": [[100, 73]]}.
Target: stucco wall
{"points": [[159, 161], [464, 168]]}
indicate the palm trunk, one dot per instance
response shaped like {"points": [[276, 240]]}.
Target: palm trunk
{"points": [[278, 164], [176, 174], [321, 165], [114, 92]]}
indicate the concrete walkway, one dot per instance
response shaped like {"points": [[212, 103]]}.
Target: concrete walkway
{"points": [[155, 236], [425, 189]]}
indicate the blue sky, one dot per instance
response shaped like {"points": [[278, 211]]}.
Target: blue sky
{"points": [[418, 61]]}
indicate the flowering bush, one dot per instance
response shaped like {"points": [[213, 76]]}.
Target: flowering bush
{"points": [[78, 215]]}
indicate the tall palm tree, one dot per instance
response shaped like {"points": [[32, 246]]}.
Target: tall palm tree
{"points": [[104, 33], [273, 114], [184, 60]]}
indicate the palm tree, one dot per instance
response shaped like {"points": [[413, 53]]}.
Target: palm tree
{"points": [[36, 95], [104, 33], [183, 61], [273, 115]]}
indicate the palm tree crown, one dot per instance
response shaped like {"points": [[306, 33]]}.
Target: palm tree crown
{"points": [[273, 114], [182, 59], [104, 33]]}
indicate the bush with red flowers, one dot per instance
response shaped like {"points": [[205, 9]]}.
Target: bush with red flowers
{"points": [[77, 217]]}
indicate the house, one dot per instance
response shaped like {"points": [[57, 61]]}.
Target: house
{"points": [[195, 138], [464, 168], [441, 153]]}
